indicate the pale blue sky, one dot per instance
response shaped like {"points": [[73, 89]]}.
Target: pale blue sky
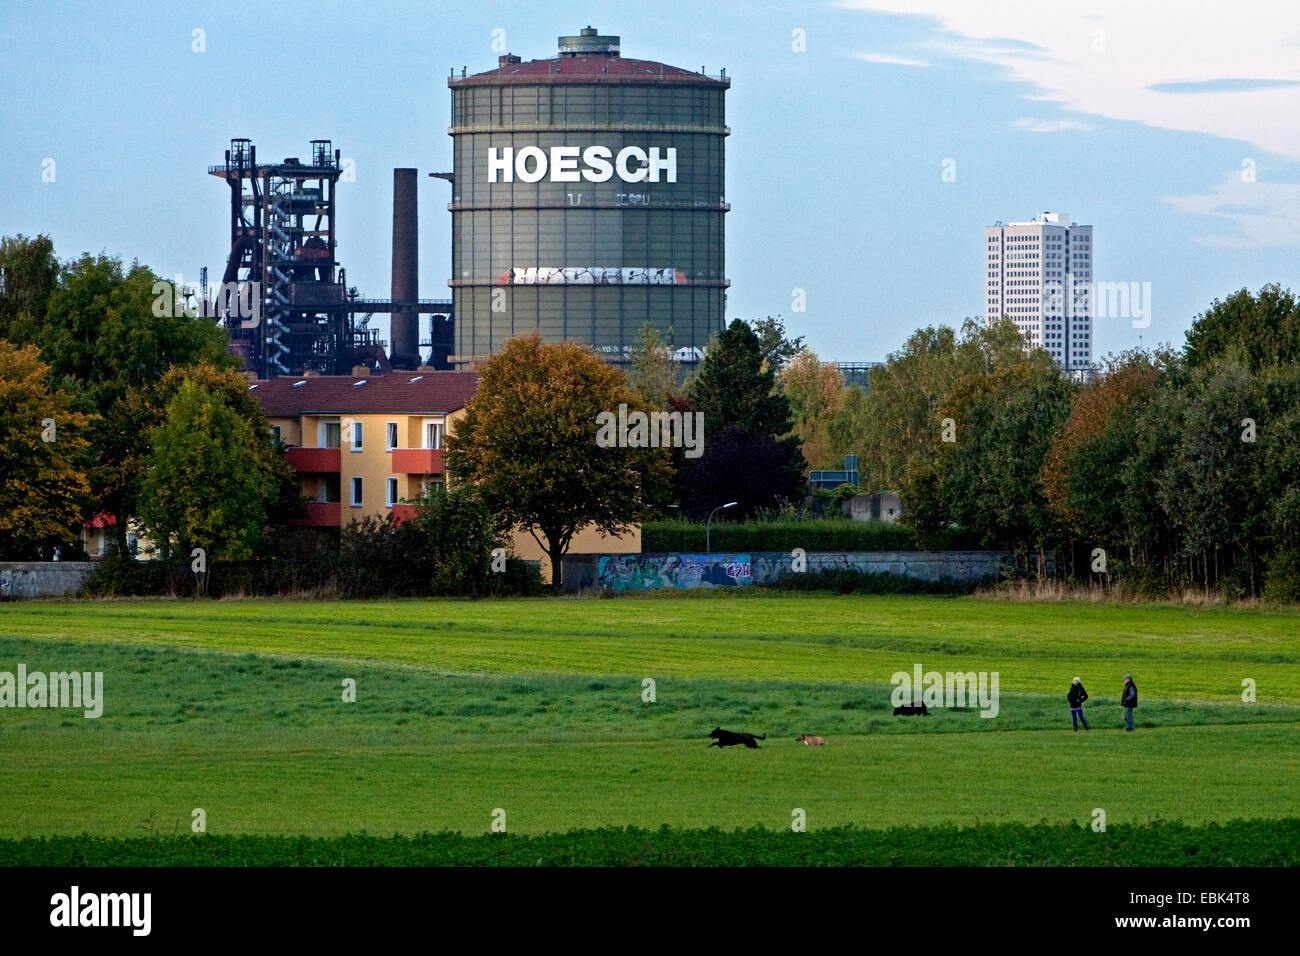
{"points": [[1133, 117]]}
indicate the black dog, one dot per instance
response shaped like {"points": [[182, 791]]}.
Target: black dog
{"points": [[725, 738], [911, 710]]}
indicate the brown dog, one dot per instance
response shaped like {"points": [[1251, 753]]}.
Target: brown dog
{"points": [[810, 741]]}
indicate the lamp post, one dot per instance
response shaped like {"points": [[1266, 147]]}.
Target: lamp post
{"points": [[709, 521]]}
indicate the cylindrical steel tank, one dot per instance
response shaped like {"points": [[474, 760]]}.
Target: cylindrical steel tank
{"points": [[588, 197]]}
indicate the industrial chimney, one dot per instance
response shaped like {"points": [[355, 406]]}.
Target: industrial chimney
{"points": [[405, 331]]}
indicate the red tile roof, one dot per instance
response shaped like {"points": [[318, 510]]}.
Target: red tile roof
{"points": [[398, 393]]}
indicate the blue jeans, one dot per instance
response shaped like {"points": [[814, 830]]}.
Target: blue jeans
{"points": [[1076, 715], [1128, 718]]}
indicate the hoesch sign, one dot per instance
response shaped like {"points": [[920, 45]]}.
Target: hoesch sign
{"points": [[572, 164]]}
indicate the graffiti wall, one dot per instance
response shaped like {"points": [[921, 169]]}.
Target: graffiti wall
{"points": [[650, 572]]}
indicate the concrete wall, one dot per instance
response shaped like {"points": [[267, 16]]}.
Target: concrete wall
{"points": [[649, 572], [43, 578], [885, 506]]}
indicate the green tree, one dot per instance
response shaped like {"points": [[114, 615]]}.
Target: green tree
{"points": [[204, 484], [1083, 476], [44, 493], [894, 427], [736, 387], [653, 374], [1206, 487], [991, 474], [459, 534], [816, 393], [777, 348], [28, 276], [745, 415], [105, 331], [528, 444], [1260, 331]]}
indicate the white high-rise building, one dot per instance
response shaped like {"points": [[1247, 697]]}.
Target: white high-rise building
{"points": [[1039, 275]]}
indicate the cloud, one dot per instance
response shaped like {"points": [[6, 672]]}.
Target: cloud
{"points": [[1258, 214], [1222, 86], [1035, 125], [889, 58], [1155, 63]]}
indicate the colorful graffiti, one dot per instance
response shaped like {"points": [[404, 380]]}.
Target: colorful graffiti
{"points": [[650, 572]]}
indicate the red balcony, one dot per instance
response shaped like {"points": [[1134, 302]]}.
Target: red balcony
{"points": [[321, 514], [314, 460], [417, 461], [403, 513]]}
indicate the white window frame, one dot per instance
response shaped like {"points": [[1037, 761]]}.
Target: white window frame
{"points": [[391, 438], [358, 439], [390, 492], [358, 490]]}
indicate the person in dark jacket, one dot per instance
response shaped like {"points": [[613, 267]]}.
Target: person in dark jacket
{"points": [[1128, 700], [1076, 697]]}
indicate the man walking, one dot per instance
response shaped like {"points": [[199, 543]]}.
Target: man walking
{"points": [[1076, 697], [1128, 700]]}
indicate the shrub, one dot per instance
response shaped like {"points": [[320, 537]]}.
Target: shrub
{"points": [[853, 581], [780, 534], [119, 574], [1282, 577]]}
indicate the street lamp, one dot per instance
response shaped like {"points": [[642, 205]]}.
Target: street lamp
{"points": [[709, 520]]}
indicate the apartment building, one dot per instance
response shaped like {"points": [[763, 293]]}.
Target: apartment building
{"points": [[1040, 275], [364, 445], [369, 445]]}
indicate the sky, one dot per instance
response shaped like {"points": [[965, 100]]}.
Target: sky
{"points": [[1173, 128]]}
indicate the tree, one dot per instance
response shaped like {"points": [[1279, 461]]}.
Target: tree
{"points": [[44, 492], [204, 485], [816, 394], [1083, 475], [459, 533], [105, 331], [735, 390], [528, 444], [1206, 486], [734, 386], [991, 475], [284, 499], [777, 349], [1259, 331], [653, 370], [755, 471], [28, 275], [895, 427]]}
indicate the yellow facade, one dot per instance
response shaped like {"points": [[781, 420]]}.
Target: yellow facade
{"points": [[364, 453]]}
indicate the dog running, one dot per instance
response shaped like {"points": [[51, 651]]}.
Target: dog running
{"points": [[810, 741], [726, 738], [911, 710]]}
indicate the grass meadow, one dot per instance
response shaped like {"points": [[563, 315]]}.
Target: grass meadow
{"points": [[535, 707]]}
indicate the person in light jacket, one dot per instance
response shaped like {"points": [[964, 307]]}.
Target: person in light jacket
{"points": [[1076, 697], [1128, 700]]}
